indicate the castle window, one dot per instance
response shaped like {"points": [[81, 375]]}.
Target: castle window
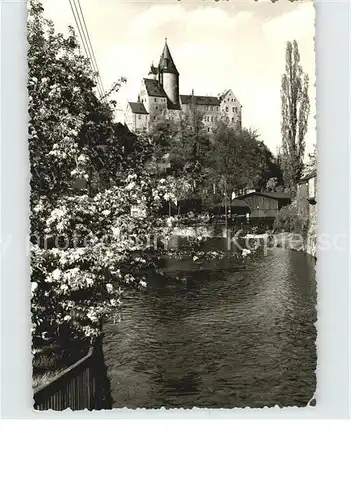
{"points": [[155, 99], [208, 130], [226, 108], [156, 107]]}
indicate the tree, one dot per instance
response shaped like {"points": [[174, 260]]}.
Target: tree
{"points": [[186, 143], [272, 184], [71, 131], [100, 249], [86, 246], [295, 108], [240, 158], [312, 159], [181, 149], [270, 168]]}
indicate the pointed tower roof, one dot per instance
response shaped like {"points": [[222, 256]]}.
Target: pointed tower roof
{"points": [[166, 64]]}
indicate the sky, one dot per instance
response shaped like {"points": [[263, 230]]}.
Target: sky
{"points": [[216, 45]]}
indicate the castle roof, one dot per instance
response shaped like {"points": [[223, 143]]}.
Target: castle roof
{"points": [[200, 100], [224, 94], [154, 88], [166, 64], [138, 107]]}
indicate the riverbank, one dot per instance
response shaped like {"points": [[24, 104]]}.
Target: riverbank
{"points": [[287, 240], [296, 242]]}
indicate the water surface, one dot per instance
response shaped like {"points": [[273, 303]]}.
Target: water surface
{"points": [[238, 336]]}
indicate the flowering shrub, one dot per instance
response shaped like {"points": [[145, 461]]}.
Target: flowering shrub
{"points": [[93, 249], [86, 247], [74, 290], [72, 134]]}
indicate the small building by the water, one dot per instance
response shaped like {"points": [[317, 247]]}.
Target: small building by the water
{"points": [[263, 205], [235, 208]]}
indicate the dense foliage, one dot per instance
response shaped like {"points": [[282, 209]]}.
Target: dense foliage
{"points": [[290, 220], [241, 158], [229, 159], [99, 250], [186, 146], [87, 247]]}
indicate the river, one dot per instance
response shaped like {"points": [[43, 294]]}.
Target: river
{"points": [[235, 336]]}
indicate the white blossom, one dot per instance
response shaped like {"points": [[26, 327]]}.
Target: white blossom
{"points": [[56, 274]]}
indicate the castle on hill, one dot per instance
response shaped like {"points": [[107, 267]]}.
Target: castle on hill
{"points": [[159, 97]]}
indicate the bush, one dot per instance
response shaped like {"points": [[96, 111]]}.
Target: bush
{"points": [[77, 286], [288, 220]]}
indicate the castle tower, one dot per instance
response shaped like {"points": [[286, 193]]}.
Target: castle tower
{"points": [[153, 73], [169, 76]]}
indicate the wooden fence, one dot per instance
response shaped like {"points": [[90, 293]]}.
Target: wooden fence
{"points": [[79, 387]]}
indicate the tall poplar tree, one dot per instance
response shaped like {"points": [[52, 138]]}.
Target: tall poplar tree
{"points": [[295, 108]]}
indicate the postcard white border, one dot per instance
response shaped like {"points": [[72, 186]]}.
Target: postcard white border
{"points": [[333, 142]]}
